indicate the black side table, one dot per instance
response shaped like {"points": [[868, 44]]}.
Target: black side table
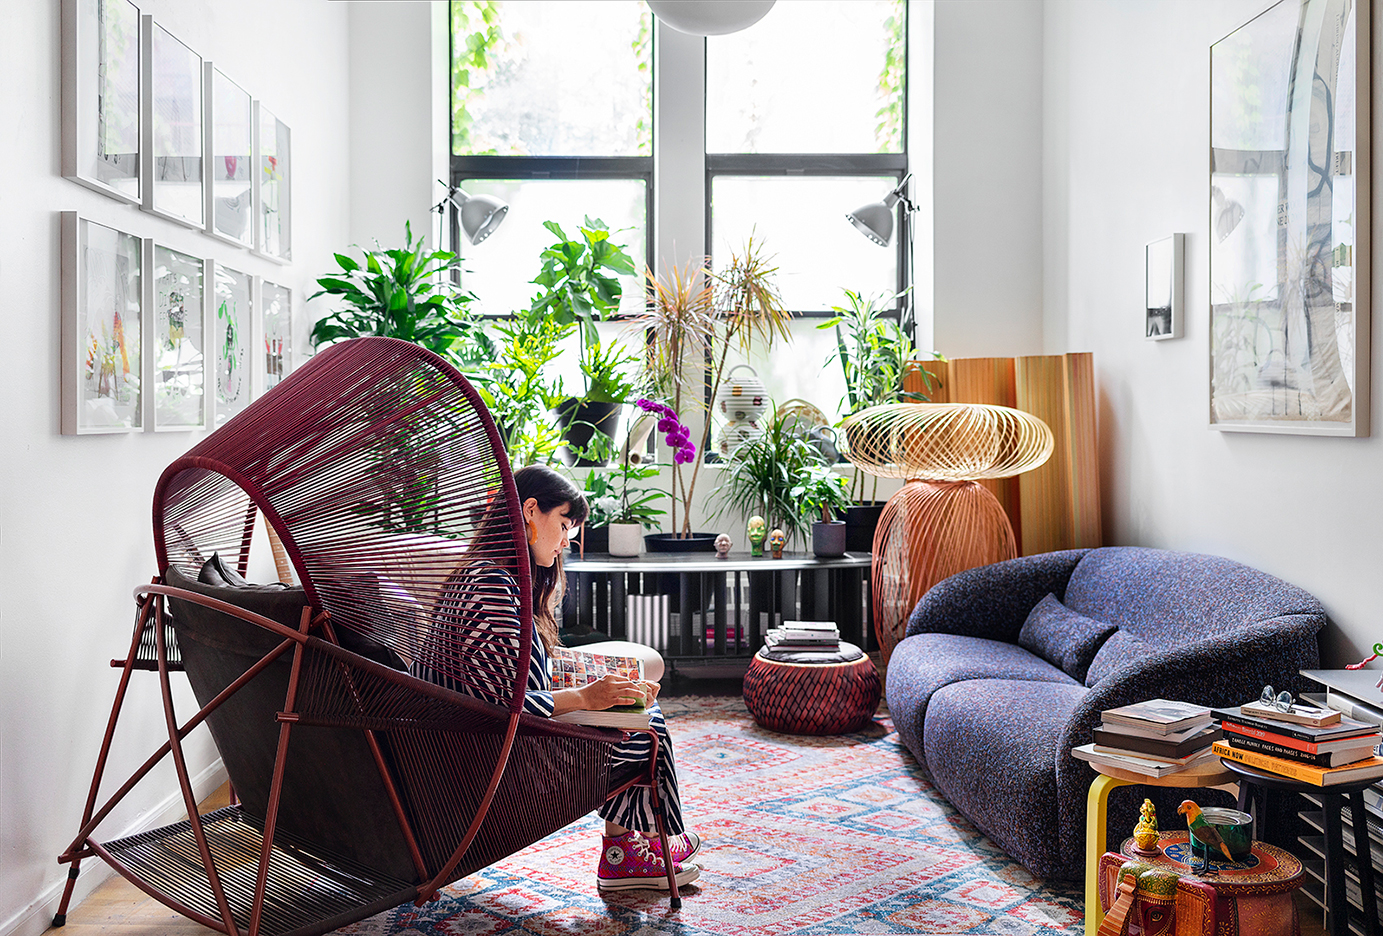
{"points": [[1255, 784]]}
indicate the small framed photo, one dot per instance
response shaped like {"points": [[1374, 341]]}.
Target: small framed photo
{"points": [[102, 320], [1164, 270], [177, 348], [232, 336], [274, 237], [277, 304], [101, 78], [173, 127], [230, 160]]}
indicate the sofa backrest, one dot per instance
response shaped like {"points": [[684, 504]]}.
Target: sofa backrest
{"points": [[1165, 597]]}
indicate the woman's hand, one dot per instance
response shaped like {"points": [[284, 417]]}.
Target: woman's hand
{"points": [[612, 690]]}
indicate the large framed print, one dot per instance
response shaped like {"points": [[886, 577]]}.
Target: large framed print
{"points": [[232, 337], [1290, 293], [173, 127], [274, 238], [101, 114], [230, 160], [176, 351], [102, 319], [277, 304]]}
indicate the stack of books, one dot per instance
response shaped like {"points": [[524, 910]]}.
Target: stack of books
{"points": [[1154, 738], [804, 637], [1314, 745]]}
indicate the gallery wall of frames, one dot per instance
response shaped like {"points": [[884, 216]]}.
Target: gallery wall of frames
{"points": [[153, 338]]}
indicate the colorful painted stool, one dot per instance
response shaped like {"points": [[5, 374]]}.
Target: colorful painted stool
{"points": [[812, 693]]}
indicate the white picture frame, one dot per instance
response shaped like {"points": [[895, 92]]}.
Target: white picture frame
{"points": [[102, 88], [174, 139], [1164, 291], [1290, 221], [230, 164], [176, 352], [103, 303], [276, 329], [232, 326], [273, 186]]}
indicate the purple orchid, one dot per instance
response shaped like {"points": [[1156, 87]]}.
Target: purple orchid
{"points": [[675, 434]]}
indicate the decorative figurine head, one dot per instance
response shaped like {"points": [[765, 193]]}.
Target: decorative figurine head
{"points": [[757, 530], [776, 541], [723, 544]]}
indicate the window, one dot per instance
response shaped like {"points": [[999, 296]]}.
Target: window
{"points": [[552, 114]]}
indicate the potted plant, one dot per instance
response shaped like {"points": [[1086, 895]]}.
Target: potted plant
{"points": [[874, 353], [781, 476], [822, 496], [678, 438], [404, 293], [607, 368], [511, 379], [618, 509]]}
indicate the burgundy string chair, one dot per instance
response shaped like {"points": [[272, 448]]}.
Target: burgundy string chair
{"points": [[359, 786]]}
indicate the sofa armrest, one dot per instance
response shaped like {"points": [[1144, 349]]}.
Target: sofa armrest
{"points": [[1224, 670], [993, 601]]}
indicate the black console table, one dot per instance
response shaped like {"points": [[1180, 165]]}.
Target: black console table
{"points": [[715, 610]]}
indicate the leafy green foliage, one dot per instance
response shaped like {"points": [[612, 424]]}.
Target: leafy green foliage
{"points": [[888, 133], [577, 286], [782, 476], [608, 370], [609, 493], [402, 293], [475, 37], [874, 354], [514, 388]]}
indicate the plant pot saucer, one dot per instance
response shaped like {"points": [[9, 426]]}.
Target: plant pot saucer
{"points": [[672, 542]]}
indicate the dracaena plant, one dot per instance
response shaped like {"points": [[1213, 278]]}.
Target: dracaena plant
{"points": [[402, 293]]}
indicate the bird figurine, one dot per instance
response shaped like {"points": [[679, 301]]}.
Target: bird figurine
{"points": [[1202, 831], [1145, 832]]}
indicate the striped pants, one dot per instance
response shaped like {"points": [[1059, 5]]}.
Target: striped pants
{"points": [[633, 809]]}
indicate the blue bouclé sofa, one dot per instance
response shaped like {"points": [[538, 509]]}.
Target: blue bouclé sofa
{"points": [[993, 723]]}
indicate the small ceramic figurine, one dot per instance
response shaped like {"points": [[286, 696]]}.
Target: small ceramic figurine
{"points": [[1145, 832], [776, 542], [723, 544], [756, 529]]}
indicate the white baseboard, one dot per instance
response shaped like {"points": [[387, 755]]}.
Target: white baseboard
{"points": [[37, 917]]}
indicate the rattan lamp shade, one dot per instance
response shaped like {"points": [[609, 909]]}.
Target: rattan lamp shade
{"points": [[942, 521]]}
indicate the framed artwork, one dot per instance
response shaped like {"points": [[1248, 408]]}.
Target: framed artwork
{"points": [[277, 304], [274, 238], [230, 159], [232, 321], [101, 75], [173, 127], [1163, 267], [102, 319], [1289, 221], [176, 351]]}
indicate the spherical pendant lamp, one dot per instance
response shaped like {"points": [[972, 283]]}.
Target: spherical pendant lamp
{"points": [[710, 17]]}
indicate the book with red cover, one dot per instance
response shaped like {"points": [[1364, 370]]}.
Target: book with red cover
{"points": [[1305, 747], [1347, 727], [1337, 758]]}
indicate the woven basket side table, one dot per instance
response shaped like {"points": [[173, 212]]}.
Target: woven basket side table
{"points": [[812, 693]]}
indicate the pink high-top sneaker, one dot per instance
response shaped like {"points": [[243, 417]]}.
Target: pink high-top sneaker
{"points": [[627, 861], [684, 847]]}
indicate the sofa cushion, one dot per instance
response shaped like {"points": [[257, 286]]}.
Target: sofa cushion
{"points": [[1120, 649], [1062, 637], [923, 663], [991, 746]]}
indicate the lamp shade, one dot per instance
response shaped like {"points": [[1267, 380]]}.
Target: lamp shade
{"points": [[875, 221], [710, 17], [480, 215]]}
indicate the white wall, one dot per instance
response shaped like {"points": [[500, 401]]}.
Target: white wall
{"points": [[75, 512], [1126, 135], [986, 226]]}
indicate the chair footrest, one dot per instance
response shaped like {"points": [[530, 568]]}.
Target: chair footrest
{"points": [[311, 891]]}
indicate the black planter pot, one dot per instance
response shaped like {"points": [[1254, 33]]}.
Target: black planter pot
{"points": [[671, 542], [597, 540], [579, 420], [860, 522]]}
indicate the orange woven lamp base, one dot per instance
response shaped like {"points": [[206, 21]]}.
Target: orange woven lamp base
{"points": [[930, 530], [813, 698]]}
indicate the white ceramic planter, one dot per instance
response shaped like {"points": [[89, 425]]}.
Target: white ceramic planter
{"points": [[626, 539]]}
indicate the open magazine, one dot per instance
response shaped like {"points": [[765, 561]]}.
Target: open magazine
{"points": [[572, 669]]}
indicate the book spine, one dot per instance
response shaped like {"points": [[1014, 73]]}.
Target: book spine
{"points": [[1285, 768], [1279, 728], [1277, 750], [1281, 740]]}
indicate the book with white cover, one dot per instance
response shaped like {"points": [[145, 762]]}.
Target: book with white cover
{"points": [[1164, 715], [1142, 765]]}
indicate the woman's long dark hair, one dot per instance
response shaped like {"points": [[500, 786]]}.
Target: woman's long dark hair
{"points": [[551, 490]]}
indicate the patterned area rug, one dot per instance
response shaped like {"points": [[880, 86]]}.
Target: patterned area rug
{"points": [[801, 836]]}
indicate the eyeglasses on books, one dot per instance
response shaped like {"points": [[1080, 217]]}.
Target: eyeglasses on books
{"points": [[1282, 701]]}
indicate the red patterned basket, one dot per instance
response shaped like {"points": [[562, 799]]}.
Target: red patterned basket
{"points": [[816, 694]]}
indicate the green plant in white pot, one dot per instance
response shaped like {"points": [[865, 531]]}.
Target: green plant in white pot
{"points": [[618, 504]]}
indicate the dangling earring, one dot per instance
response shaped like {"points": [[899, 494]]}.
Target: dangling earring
{"points": [[532, 532]]}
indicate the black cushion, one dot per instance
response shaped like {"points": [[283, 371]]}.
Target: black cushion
{"points": [[1063, 637]]}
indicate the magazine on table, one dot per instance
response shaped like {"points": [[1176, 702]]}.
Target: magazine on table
{"points": [[572, 669], [1161, 715]]}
